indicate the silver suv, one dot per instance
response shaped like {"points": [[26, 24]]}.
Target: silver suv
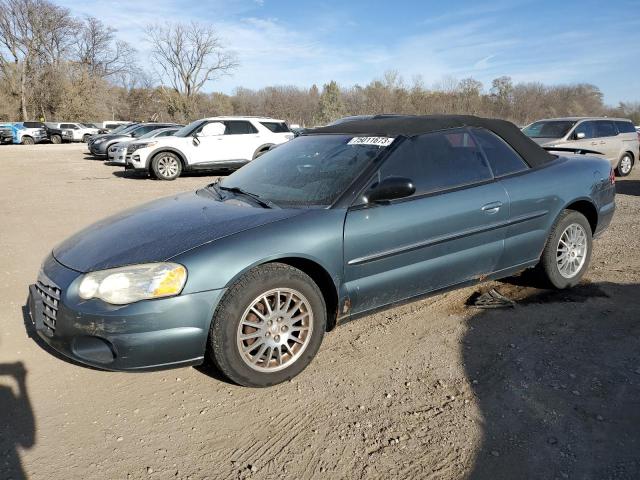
{"points": [[616, 138]]}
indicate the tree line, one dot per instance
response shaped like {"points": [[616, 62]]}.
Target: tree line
{"points": [[55, 66]]}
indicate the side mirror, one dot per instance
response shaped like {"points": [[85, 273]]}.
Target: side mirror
{"points": [[390, 188], [580, 135]]}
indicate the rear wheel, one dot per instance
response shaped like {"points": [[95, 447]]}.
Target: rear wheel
{"points": [[625, 164], [268, 327], [56, 139], [28, 141], [86, 137], [566, 256], [166, 166]]}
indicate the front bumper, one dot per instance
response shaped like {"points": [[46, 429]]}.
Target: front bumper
{"points": [[118, 156], [99, 150], [146, 335]]}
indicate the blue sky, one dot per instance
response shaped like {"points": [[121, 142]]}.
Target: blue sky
{"points": [[281, 42]]}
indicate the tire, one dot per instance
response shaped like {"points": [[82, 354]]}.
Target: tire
{"points": [[261, 151], [28, 141], [166, 166], [560, 277], [57, 139], [270, 365], [85, 138], [625, 165]]}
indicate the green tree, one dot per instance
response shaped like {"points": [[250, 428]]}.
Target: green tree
{"points": [[330, 106]]}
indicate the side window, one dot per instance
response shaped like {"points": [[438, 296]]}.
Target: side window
{"points": [[625, 127], [166, 133], [438, 161], [276, 127], [68, 125], [502, 158], [605, 128], [588, 128], [239, 127]]}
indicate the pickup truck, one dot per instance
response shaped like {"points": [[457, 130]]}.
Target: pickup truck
{"points": [[6, 134], [29, 133]]}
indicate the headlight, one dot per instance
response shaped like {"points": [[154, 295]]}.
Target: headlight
{"points": [[99, 140], [123, 285], [138, 146]]}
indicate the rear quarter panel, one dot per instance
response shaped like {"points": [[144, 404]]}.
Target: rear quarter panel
{"points": [[550, 190]]}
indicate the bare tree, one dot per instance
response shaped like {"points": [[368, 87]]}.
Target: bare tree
{"points": [[188, 56], [100, 52]]}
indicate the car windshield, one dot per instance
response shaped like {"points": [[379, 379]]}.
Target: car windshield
{"points": [[549, 129], [150, 134], [126, 129], [306, 172], [189, 129]]}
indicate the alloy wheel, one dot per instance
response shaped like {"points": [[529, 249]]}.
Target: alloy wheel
{"points": [[625, 165], [168, 166], [572, 250], [275, 330]]}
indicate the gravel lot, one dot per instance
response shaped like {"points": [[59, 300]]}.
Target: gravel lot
{"points": [[550, 389]]}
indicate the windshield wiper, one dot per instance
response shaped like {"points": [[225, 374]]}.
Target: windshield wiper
{"points": [[254, 196]]}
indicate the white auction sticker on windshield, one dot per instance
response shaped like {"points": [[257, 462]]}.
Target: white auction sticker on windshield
{"points": [[379, 141]]}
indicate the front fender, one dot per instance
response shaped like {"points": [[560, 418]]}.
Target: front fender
{"points": [[315, 236], [166, 148]]}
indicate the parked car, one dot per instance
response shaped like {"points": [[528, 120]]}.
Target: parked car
{"points": [[615, 138], [6, 133], [99, 145], [28, 133], [224, 143], [252, 271], [117, 153]]}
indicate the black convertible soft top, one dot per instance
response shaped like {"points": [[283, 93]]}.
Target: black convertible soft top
{"points": [[409, 125]]}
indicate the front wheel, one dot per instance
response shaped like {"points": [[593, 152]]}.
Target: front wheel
{"points": [[268, 327], [624, 165], [28, 141], [57, 139], [566, 256], [166, 166], [86, 137]]}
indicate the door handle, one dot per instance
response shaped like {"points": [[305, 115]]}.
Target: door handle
{"points": [[492, 207], [594, 143], [602, 142]]}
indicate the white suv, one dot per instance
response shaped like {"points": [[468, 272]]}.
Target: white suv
{"points": [[224, 143]]}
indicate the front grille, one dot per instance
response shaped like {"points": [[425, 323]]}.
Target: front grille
{"points": [[50, 294]]}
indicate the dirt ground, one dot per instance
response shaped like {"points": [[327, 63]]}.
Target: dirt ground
{"points": [[431, 390]]}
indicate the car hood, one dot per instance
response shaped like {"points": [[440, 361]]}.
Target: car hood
{"points": [[109, 136], [160, 230]]}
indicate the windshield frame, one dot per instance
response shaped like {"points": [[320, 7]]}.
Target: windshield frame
{"points": [[187, 130]]}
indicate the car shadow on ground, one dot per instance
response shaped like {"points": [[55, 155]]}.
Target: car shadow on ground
{"points": [[628, 187], [17, 420], [557, 383]]}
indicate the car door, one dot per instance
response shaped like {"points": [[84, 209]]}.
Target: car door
{"points": [[584, 136], [532, 197], [449, 231], [240, 141], [608, 144]]}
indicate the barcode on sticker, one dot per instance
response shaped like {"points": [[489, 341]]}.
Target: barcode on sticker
{"points": [[379, 141]]}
